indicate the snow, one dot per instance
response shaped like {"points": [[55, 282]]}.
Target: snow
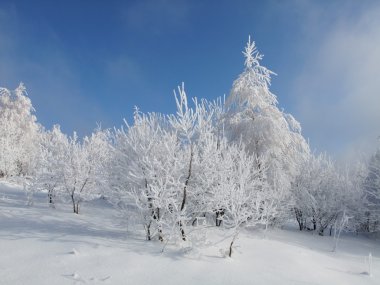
{"points": [[41, 245]]}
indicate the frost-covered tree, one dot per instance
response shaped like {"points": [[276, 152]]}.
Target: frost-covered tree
{"points": [[372, 194], [184, 125], [355, 199], [73, 168], [314, 194], [163, 164], [84, 171], [146, 169], [268, 133], [49, 176], [322, 193], [240, 191], [19, 133]]}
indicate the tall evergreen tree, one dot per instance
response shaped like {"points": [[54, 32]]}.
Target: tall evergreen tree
{"points": [[269, 134]]}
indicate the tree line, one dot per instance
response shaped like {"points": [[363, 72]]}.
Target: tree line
{"points": [[230, 164]]}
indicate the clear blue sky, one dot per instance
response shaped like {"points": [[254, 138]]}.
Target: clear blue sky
{"points": [[85, 62]]}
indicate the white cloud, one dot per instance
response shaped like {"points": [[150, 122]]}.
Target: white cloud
{"points": [[338, 89]]}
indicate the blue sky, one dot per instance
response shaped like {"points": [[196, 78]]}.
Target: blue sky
{"points": [[85, 62]]}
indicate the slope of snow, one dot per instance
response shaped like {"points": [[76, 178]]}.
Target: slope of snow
{"points": [[40, 245]]}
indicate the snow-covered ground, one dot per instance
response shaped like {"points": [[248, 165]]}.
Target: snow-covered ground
{"points": [[40, 245]]}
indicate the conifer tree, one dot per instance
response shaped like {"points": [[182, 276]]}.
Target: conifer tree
{"points": [[269, 134]]}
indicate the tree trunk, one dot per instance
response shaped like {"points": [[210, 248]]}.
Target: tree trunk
{"points": [[185, 193], [218, 220], [73, 201], [322, 228], [76, 211], [230, 253], [299, 219], [147, 228], [232, 243], [51, 197], [160, 235], [156, 217], [182, 231]]}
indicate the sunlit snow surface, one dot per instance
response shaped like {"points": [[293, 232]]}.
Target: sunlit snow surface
{"points": [[41, 245]]}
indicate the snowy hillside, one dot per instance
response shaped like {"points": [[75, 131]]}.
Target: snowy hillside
{"points": [[41, 245]]}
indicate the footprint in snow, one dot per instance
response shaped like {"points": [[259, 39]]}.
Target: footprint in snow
{"points": [[75, 277], [74, 252], [100, 279]]}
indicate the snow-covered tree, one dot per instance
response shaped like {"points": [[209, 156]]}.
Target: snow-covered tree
{"points": [[355, 199], [372, 194], [184, 125], [84, 171], [146, 170], [19, 133], [322, 193], [49, 176], [268, 133], [73, 168], [161, 164], [240, 191]]}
